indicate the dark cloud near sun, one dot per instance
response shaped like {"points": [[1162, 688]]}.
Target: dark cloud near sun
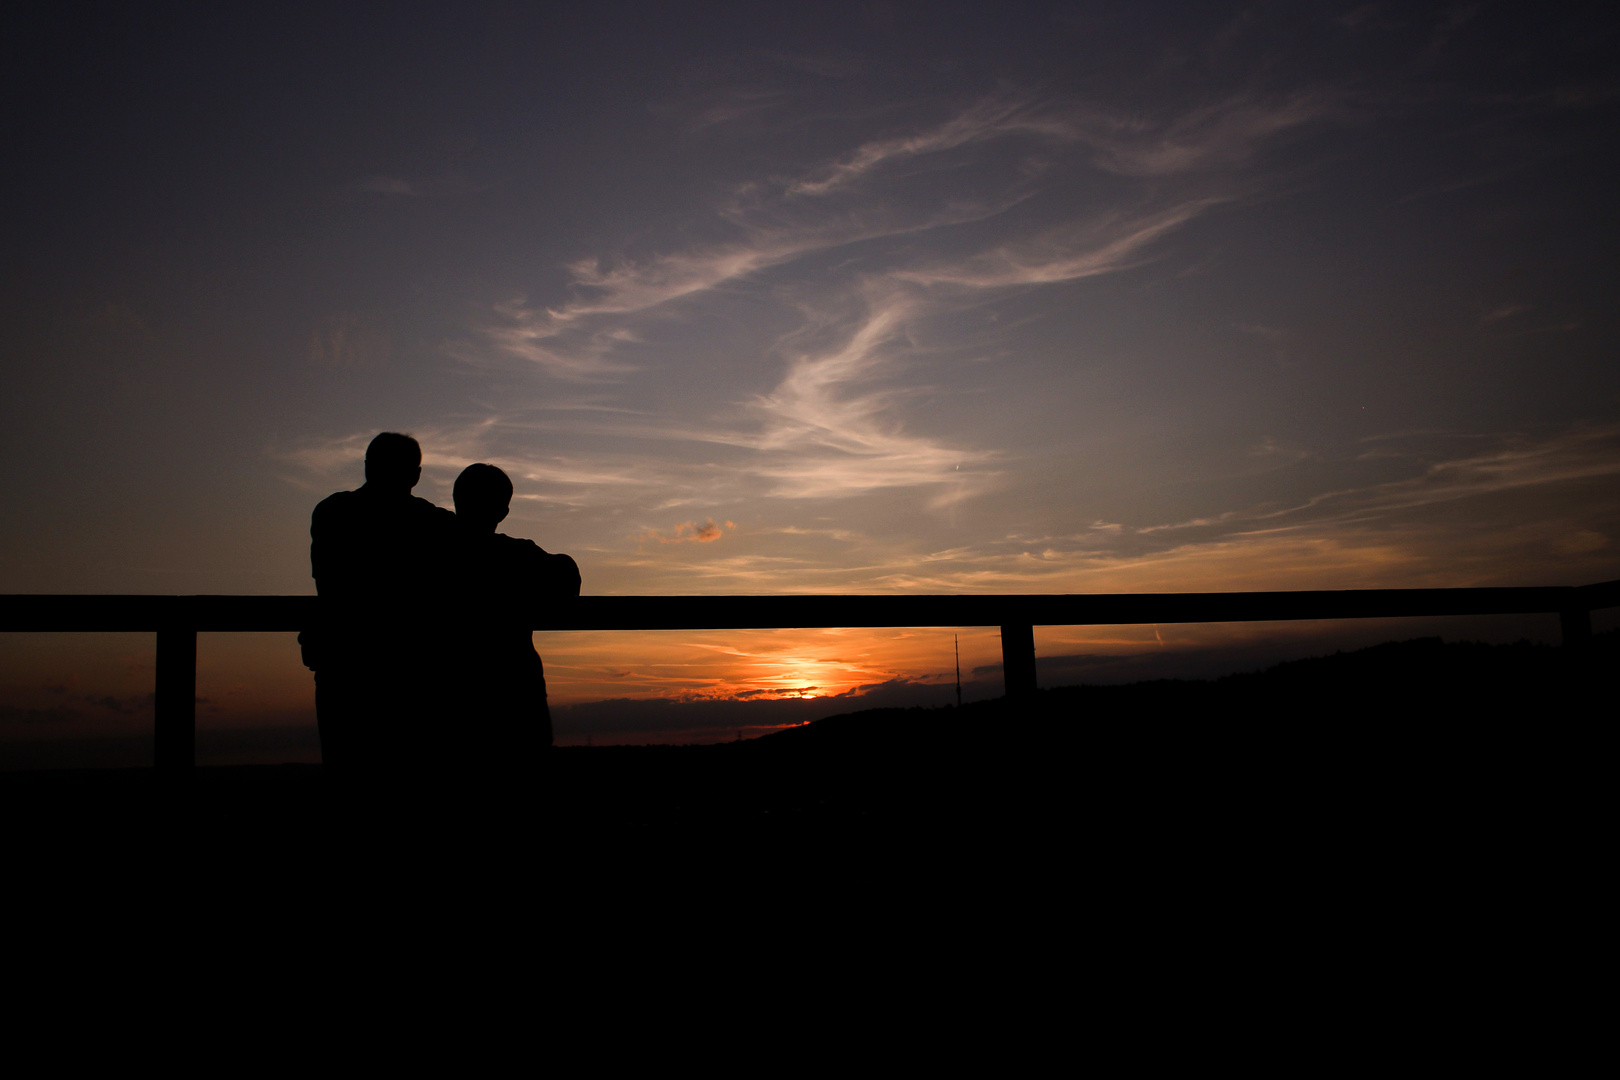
{"points": [[692, 532], [702, 719], [12, 715]]}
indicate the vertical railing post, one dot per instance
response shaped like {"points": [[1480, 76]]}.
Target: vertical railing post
{"points": [[1018, 660], [174, 743], [1577, 627]]}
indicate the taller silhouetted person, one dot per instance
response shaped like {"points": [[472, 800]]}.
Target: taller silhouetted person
{"points": [[378, 554], [496, 715]]}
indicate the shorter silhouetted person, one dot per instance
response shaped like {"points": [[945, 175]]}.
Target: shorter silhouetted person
{"points": [[497, 714], [378, 555]]}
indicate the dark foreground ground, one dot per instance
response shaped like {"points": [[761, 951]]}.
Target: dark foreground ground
{"points": [[1335, 860], [1323, 862], [1438, 737], [1359, 842]]}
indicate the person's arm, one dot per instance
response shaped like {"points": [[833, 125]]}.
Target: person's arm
{"points": [[536, 578], [312, 640], [329, 545], [563, 576], [549, 578]]}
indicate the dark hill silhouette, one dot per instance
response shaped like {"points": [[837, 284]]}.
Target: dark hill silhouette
{"points": [[1407, 718]]}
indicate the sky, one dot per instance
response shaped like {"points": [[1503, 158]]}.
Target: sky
{"points": [[878, 298]]}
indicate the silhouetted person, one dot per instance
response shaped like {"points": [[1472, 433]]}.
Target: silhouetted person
{"points": [[378, 554], [496, 709]]}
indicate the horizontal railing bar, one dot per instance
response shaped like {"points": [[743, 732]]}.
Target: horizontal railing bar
{"points": [[135, 613], [77, 612], [1605, 594]]}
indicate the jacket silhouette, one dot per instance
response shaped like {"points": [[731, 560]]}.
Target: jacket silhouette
{"points": [[497, 713], [378, 555]]}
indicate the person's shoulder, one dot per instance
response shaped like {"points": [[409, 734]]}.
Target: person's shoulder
{"points": [[518, 549], [532, 554], [432, 516], [433, 510], [336, 504], [338, 498], [527, 549]]}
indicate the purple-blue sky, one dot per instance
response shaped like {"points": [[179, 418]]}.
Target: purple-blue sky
{"points": [[867, 297]]}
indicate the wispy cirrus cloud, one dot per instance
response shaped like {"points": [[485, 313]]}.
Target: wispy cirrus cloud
{"points": [[828, 431], [1105, 244], [991, 118], [542, 338], [577, 340], [1440, 518], [1218, 136], [1426, 509], [918, 222], [1501, 466], [855, 199], [829, 426]]}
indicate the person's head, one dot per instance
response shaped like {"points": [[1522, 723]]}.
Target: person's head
{"points": [[393, 462], [483, 496]]}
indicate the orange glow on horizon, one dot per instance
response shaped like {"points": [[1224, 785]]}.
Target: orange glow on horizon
{"points": [[746, 665]]}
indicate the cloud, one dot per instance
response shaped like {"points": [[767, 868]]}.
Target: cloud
{"points": [[1422, 509], [775, 692], [858, 198], [1105, 244], [543, 480], [1514, 462], [1219, 136], [577, 340], [1500, 514], [318, 462], [718, 719], [905, 214], [628, 286], [991, 118], [822, 439], [691, 531], [545, 339], [1509, 509]]}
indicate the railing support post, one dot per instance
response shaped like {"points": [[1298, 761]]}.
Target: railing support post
{"points": [[1018, 660], [174, 743], [1577, 627]]}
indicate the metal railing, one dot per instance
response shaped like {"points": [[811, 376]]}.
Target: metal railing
{"points": [[178, 619]]}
